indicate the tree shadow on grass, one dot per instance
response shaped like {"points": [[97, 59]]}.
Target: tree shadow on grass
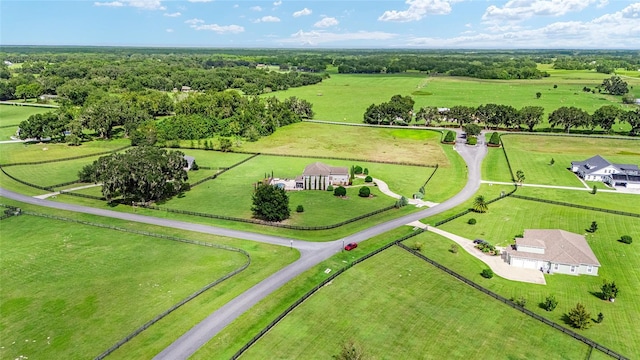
{"points": [[597, 294], [565, 319]]}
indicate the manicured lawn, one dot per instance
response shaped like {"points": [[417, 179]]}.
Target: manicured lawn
{"points": [[448, 180], [533, 154], [12, 153], [620, 262], [213, 159], [51, 173], [346, 97], [13, 115], [400, 145], [398, 306], [495, 167], [75, 291], [95, 259], [606, 200]]}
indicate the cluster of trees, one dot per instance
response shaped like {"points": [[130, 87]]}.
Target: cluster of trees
{"points": [[602, 62], [143, 174], [74, 76], [399, 111], [230, 114], [271, 203]]}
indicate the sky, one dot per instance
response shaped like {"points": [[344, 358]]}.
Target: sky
{"points": [[423, 24]]}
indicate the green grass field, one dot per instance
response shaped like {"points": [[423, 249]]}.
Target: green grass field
{"points": [[345, 97], [75, 291], [605, 200], [533, 154], [51, 173], [398, 306], [13, 115], [509, 217], [13, 153]]}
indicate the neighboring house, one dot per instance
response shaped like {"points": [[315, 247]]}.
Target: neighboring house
{"points": [[7, 62], [319, 176], [598, 168], [553, 251], [316, 176], [47, 97], [185, 89], [190, 161]]}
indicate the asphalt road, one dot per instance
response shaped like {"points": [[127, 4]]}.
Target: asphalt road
{"points": [[311, 253]]}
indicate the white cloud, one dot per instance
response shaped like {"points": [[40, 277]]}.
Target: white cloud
{"points": [[619, 30], [198, 24], [316, 37], [175, 14], [256, 8], [140, 4], [326, 22], [519, 10], [268, 19], [603, 3], [112, 4], [199, 1], [169, 30], [418, 9], [303, 12], [277, 3]]}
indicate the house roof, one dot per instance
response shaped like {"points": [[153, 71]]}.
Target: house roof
{"points": [[597, 162], [190, 160], [560, 247], [319, 168]]}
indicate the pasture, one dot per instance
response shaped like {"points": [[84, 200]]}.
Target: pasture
{"points": [[84, 262], [20, 152], [509, 217], [345, 97], [13, 115], [75, 291], [395, 305]]}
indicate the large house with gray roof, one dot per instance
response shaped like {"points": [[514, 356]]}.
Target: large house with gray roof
{"points": [[553, 251], [316, 176], [598, 168]]}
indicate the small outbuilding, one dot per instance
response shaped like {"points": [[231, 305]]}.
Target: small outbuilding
{"points": [[190, 161]]}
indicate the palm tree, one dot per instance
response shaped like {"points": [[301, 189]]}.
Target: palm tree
{"points": [[479, 204], [520, 176]]}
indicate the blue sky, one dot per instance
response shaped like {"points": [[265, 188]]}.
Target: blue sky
{"points": [[472, 24]]}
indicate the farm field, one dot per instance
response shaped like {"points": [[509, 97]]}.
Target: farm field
{"points": [[368, 143], [619, 330], [399, 306], [533, 154], [345, 97], [13, 153], [606, 200], [66, 294], [13, 115], [51, 173], [167, 273]]}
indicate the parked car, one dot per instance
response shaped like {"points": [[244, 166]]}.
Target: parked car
{"points": [[351, 246], [479, 241]]}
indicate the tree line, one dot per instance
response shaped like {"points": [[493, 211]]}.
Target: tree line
{"points": [[400, 111]]}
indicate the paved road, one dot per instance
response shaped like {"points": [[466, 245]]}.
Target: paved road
{"points": [[310, 253]]}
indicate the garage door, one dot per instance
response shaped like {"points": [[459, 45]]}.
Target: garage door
{"points": [[529, 264], [516, 262]]}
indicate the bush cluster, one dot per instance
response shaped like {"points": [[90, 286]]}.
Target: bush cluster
{"points": [[487, 273], [364, 191]]}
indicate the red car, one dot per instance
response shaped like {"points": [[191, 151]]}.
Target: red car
{"points": [[351, 246]]}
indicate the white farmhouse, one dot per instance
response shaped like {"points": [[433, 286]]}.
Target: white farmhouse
{"points": [[598, 168]]}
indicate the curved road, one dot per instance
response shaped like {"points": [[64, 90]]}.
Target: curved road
{"points": [[311, 253]]}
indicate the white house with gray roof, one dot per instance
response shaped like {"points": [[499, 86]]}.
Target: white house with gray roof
{"points": [[319, 176], [598, 168], [553, 251]]}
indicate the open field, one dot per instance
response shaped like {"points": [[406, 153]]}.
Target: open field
{"points": [[402, 145], [533, 154], [181, 265], [495, 167], [51, 173], [213, 159], [605, 200], [395, 305], [346, 97], [13, 153], [509, 217], [65, 293], [13, 115]]}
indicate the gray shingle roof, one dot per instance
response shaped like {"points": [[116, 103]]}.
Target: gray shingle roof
{"points": [[560, 247], [319, 168]]}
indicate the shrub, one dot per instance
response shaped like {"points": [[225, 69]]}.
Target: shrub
{"points": [[472, 140], [340, 191], [417, 246], [366, 171], [358, 169], [552, 161], [330, 188], [579, 317], [454, 248], [609, 290], [628, 99], [594, 190], [626, 239], [300, 208], [403, 201], [555, 86], [487, 273], [594, 227], [600, 318], [521, 301], [538, 95], [418, 196], [471, 221], [450, 137], [368, 179], [495, 139], [550, 303], [364, 191]]}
